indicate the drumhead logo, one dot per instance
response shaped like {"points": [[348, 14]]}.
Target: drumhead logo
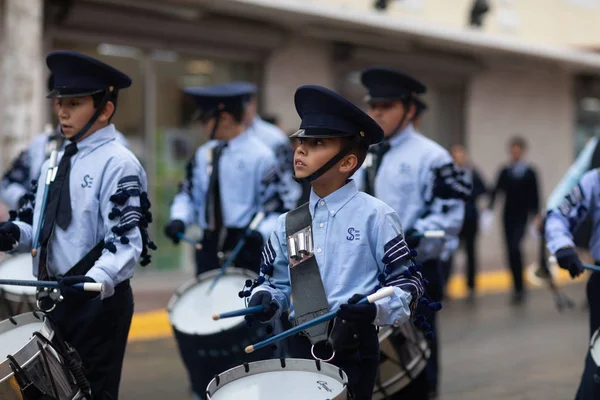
{"points": [[353, 234], [323, 386]]}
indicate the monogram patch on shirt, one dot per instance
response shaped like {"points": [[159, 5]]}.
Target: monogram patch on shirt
{"points": [[405, 168], [353, 234], [87, 182]]}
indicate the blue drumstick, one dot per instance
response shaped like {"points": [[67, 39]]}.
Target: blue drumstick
{"points": [[382, 293], [84, 286], [238, 247], [197, 245], [239, 313], [594, 268], [50, 175]]}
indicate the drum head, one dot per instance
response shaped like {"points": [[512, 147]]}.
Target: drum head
{"points": [[17, 267], [269, 380], [191, 308], [595, 347]]}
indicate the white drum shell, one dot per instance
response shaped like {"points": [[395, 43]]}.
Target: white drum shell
{"points": [[191, 308], [269, 380], [399, 370], [595, 347], [25, 348], [17, 267]]}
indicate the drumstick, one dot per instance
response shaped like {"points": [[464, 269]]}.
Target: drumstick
{"points": [[238, 247], [197, 245], [380, 294], [239, 313], [594, 268], [84, 286], [50, 175], [433, 234]]}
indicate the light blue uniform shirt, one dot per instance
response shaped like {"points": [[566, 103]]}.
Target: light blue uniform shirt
{"points": [[562, 221], [281, 146], [248, 179], [28, 166], [405, 181], [573, 175], [98, 170], [355, 237]]}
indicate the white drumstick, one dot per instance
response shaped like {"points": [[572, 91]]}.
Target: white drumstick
{"points": [[434, 234], [93, 287]]}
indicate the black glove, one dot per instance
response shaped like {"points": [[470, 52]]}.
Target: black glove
{"points": [[9, 235], [173, 229], [413, 238], [265, 299], [568, 259], [358, 312], [69, 292]]}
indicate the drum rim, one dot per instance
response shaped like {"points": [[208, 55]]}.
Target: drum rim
{"points": [[274, 365], [592, 343], [26, 318], [7, 288], [189, 284]]}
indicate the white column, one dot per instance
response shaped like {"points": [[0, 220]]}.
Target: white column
{"points": [[22, 75], [297, 62]]}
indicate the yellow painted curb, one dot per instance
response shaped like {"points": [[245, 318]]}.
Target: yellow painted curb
{"points": [[155, 324]]}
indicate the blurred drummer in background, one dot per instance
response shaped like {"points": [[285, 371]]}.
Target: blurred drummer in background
{"points": [[230, 179]]}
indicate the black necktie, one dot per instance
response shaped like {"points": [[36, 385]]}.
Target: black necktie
{"points": [[58, 208], [377, 153], [213, 212]]}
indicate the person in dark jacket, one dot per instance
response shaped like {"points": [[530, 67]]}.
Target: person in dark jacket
{"points": [[519, 183], [468, 233]]}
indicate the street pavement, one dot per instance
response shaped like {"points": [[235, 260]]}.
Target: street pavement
{"points": [[490, 350]]}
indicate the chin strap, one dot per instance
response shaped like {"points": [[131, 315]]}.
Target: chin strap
{"points": [[87, 126], [407, 103], [346, 148], [214, 129]]}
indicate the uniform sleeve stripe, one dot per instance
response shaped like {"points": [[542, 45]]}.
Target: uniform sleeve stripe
{"points": [[268, 254], [395, 250]]}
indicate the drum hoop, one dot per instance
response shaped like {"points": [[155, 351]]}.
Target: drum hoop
{"points": [[7, 289], [24, 319], [259, 367], [592, 342], [189, 284]]}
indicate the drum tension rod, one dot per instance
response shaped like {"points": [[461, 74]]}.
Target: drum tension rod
{"points": [[282, 361], [318, 364], [246, 367], [12, 320]]}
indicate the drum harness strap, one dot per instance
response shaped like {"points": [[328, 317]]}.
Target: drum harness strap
{"points": [[308, 293], [68, 353]]}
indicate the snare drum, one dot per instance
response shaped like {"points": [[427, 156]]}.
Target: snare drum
{"points": [[289, 379], [404, 353], [34, 359], [210, 347], [16, 299]]}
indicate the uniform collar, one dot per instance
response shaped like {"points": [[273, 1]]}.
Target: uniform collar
{"points": [[335, 201], [95, 140], [237, 141], [402, 136]]}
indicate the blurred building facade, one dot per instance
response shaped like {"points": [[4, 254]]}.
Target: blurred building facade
{"points": [[530, 69]]}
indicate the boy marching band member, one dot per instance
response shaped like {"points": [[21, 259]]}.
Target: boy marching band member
{"points": [[338, 247]]}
